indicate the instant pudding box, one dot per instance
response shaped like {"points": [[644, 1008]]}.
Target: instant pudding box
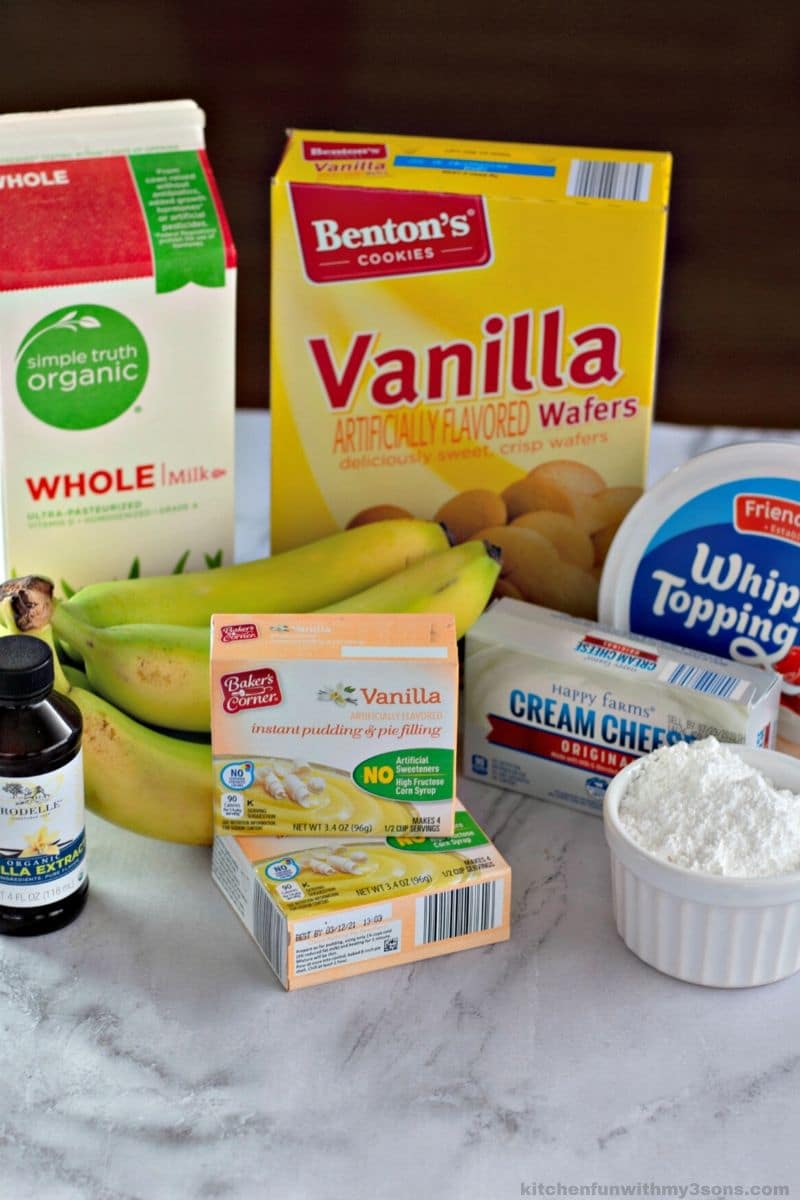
{"points": [[334, 724], [468, 331], [117, 284], [321, 909]]}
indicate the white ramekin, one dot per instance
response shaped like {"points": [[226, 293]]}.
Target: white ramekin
{"points": [[704, 928]]}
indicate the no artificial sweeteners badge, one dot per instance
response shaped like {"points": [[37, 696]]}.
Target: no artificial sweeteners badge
{"points": [[710, 558]]}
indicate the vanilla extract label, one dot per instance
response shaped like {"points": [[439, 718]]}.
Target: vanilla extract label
{"points": [[42, 836]]}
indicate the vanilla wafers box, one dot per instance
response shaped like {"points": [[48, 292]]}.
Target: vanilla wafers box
{"points": [[466, 330]]}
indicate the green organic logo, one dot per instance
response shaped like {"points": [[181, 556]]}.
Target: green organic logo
{"points": [[81, 367]]}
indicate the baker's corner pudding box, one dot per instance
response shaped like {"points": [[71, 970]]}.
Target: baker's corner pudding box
{"points": [[334, 723], [466, 330], [322, 909], [117, 284]]}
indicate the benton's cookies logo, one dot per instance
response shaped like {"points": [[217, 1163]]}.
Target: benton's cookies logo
{"points": [[348, 233], [326, 153], [250, 689]]}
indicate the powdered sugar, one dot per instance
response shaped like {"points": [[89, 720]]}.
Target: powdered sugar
{"points": [[700, 806]]}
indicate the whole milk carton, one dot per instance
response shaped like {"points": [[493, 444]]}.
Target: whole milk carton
{"points": [[117, 286], [466, 330]]}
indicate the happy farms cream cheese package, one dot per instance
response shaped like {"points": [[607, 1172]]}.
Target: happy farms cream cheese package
{"points": [[117, 296], [466, 330], [334, 723], [555, 707], [324, 908]]}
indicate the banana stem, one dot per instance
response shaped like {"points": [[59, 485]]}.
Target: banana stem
{"points": [[45, 634], [31, 599]]}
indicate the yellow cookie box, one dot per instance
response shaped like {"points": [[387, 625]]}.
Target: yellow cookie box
{"points": [[322, 909], [466, 331], [334, 723]]}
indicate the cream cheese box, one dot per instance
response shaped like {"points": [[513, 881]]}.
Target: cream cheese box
{"points": [[555, 706]]}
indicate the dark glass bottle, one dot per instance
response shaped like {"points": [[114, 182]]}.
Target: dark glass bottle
{"points": [[43, 879]]}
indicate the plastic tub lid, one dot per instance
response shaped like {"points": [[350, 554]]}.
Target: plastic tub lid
{"points": [[710, 558]]}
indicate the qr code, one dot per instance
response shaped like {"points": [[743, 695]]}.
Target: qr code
{"points": [[390, 944]]}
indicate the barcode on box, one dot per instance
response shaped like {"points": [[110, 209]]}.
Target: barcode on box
{"points": [[459, 912], [591, 180], [711, 683], [269, 930]]}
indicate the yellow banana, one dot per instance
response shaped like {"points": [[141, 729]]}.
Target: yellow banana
{"points": [[162, 786], [147, 782], [158, 673], [298, 580], [460, 582]]}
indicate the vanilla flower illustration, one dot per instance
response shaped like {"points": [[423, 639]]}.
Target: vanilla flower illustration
{"points": [[41, 842], [342, 694]]}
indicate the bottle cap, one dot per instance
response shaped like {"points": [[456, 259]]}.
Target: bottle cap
{"points": [[26, 668]]}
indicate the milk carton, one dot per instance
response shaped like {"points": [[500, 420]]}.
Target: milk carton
{"points": [[467, 331], [117, 283]]}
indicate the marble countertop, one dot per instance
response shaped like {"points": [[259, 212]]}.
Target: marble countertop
{"points": [[148, 1053]]}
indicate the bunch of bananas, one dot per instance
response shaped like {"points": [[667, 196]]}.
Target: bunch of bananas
{"points": [[144, 649]]}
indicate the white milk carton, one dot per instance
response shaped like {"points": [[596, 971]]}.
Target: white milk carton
{"points": [[117, 305]]}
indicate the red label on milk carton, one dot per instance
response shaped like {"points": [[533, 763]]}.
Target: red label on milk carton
{"points": [[250, 689], [768, 515], [238, 633], [369, 233]]}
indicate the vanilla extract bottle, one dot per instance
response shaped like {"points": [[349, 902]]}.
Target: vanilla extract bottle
{"points": [[43, 877]]}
